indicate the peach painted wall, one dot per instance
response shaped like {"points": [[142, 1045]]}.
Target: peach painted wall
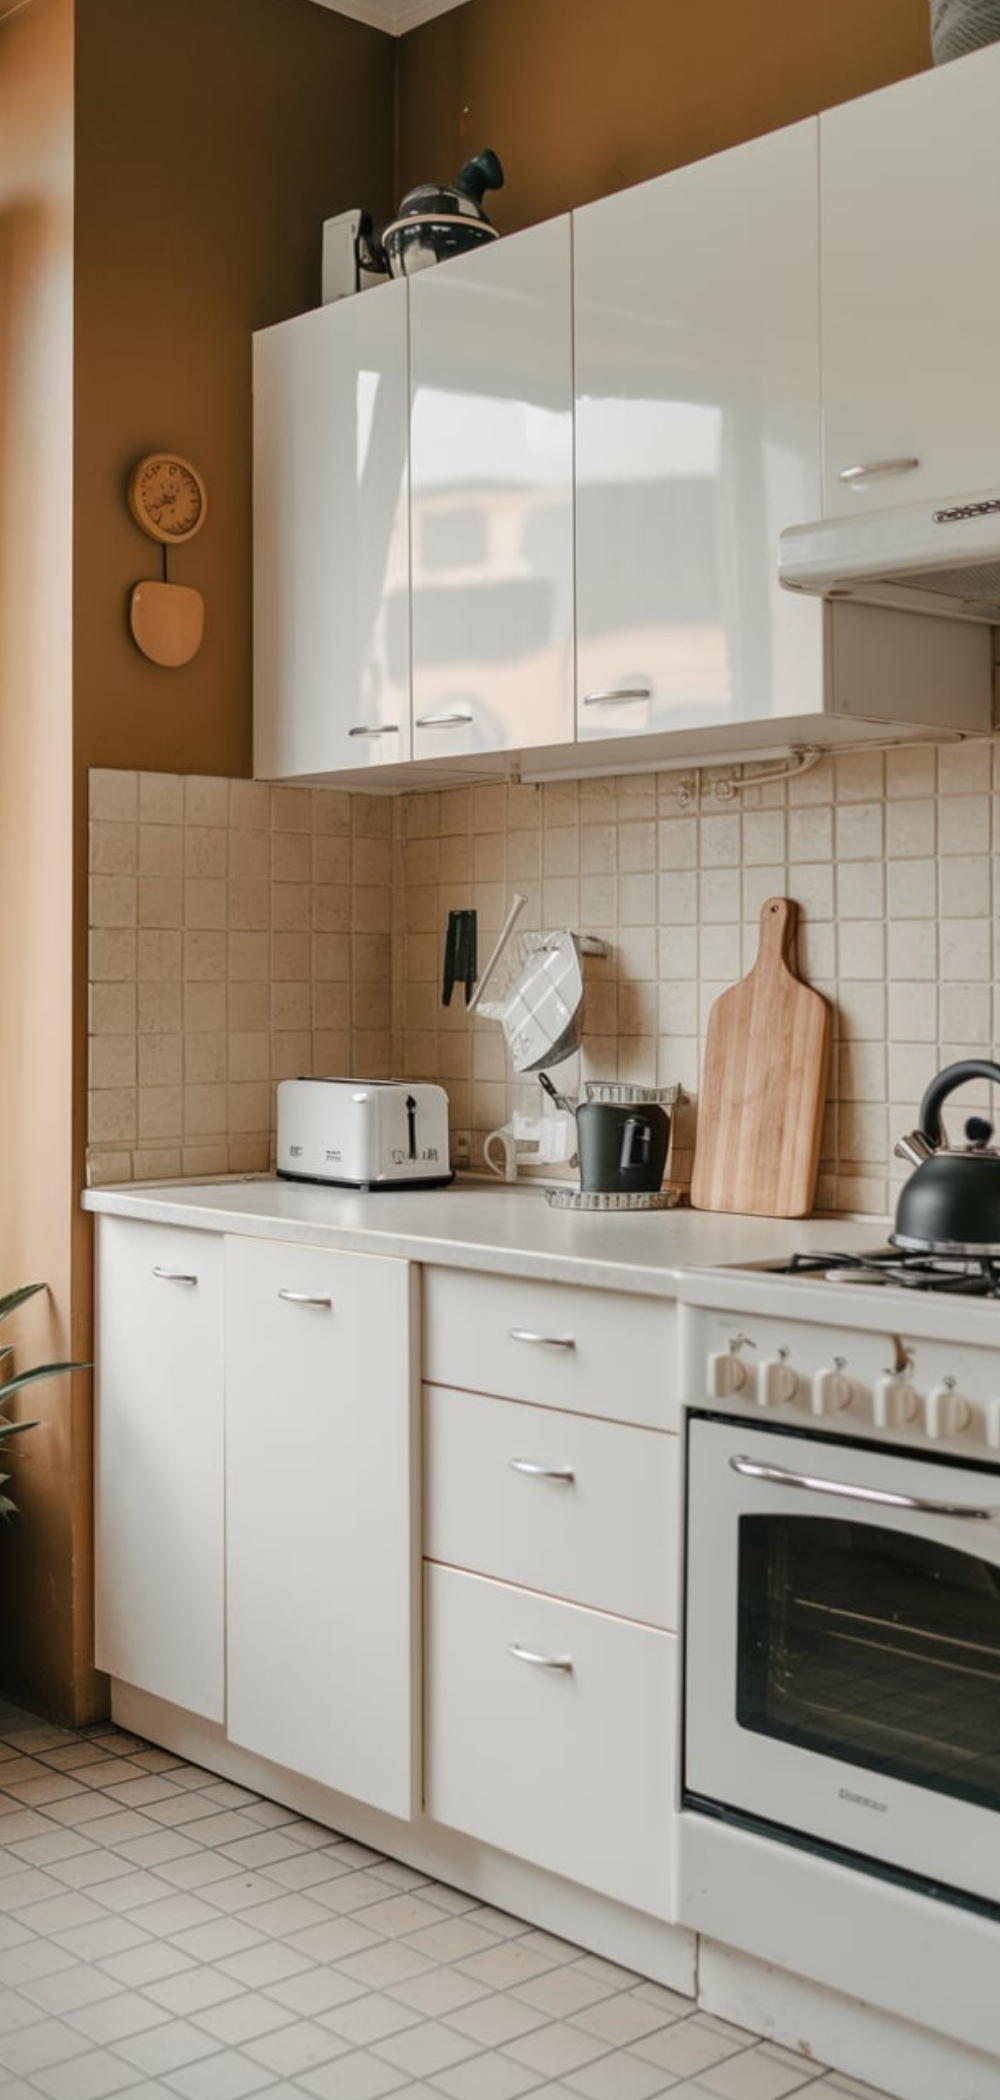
{"points": [[44, 1551]]}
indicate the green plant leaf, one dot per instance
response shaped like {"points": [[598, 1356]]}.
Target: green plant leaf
{"points": [[14, 1428], [13, 1299], [13, 1385]]}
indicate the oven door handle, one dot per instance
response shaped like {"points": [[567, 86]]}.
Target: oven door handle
{"points": [[777, 1476]]}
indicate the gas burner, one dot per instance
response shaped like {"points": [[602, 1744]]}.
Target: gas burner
{"points": [[971, 1276]]}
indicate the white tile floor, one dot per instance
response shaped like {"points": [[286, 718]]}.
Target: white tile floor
{"points": [[165, 1932]]}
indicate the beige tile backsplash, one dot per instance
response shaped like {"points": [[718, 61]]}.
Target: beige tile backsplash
{"points": [[241, 934]]}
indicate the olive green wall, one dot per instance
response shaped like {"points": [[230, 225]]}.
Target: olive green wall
{"points": [[583, 97]]}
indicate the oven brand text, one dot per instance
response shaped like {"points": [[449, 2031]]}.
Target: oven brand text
{"points": [[863, 1800]]}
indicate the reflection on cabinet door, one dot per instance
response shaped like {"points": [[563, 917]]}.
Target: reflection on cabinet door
{"points": [[909, 179], [331, 539], [319, 1516], [158, 1462], [491, 451], [697, 440]]}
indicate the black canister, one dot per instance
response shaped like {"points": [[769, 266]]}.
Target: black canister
{"points": [[622, 1146]]}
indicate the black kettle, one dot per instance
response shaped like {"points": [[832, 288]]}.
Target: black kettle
{"points": [[951, 1203], [622, 1146], [438, 220]]}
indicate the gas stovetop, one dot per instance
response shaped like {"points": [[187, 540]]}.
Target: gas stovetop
{"points": [[969, 1276]]}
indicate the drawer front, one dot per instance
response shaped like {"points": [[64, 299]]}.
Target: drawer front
{"points": [[555, 1344], [583, 1509], [570, 1767]]}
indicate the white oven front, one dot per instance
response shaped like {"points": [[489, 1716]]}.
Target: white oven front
{"points": [[842, 1649]]}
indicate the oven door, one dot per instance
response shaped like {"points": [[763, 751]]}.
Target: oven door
{"points": [[842, 1658]]}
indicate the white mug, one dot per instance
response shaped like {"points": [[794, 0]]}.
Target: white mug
{"points": [[506, 1141]]}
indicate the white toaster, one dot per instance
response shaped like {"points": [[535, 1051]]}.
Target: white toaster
{"points": [[363, 1133]]}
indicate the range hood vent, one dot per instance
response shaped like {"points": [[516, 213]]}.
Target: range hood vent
{"points": [[932, 557]]}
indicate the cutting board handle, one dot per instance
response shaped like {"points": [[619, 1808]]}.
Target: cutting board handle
{"points": [[777, 933]]}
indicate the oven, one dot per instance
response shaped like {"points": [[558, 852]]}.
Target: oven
{"points": [[842, 1581]]}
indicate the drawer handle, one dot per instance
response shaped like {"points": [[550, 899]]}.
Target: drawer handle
{"points": [[384, 729], [547, 1341], [305, 1298], [452, 719], [614, 694], [527, 1465], [174, 1275], [877, 466], [539, 1662]]}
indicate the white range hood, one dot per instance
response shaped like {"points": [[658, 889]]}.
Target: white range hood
{"points": [[935, 557]]}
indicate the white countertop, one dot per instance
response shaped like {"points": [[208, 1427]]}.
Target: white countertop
{"points": [[510, 1229]]}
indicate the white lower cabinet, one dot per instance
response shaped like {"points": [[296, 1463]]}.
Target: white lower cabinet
{"points": [[552, 1543], [320, 1544], [158, 1462], [550, 1733]]}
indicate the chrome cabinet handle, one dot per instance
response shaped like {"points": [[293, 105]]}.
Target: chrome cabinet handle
{"points": [[877, 466], [305, 1298], [615, 693], [540, 1662], [442, 721], [779, 1478], [547, 1341], [174, 1275], [385, 729], [528, 1465]]}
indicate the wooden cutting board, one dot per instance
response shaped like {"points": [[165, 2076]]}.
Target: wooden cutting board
{"points": [[760, 1112]]}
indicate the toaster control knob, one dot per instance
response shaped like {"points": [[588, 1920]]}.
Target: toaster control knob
{"points": [[832, 1390], [776, 1381], [895, 1402], [727, 1373], [947, 1412]]}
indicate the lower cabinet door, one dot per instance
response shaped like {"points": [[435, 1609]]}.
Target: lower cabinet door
{"points": [[550, 1732], [158, 1487], [320, 1516]]}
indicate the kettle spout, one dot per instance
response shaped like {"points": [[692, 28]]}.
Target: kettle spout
{"points": [[915, 1148]]}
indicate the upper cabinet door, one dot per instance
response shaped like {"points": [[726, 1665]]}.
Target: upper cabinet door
{"points": [[491, 458], [697, 441], [911, 298], [331, 539]]}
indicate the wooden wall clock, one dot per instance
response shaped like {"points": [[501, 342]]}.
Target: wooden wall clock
{"points": [[168, 500]]}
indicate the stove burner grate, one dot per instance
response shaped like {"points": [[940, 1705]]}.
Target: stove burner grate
{"points": [[971, 1276]]}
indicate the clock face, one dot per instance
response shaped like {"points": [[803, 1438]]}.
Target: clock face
{"points": [[167, 497]]}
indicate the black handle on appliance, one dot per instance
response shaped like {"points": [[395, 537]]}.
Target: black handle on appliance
{"points": [[482, 173], [945, 1084], [636, 1137]]}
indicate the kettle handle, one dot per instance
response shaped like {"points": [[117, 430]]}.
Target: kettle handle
{"points": [[945, 1084]]}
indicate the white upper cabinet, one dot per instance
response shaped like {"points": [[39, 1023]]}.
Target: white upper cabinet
{"points": [[697, 440], [491, 462], [331, 539], [910, 294]]}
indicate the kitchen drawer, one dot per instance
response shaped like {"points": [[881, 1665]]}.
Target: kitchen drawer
{"points": [[553, 1344], [572, 1767], [607, 1536]]}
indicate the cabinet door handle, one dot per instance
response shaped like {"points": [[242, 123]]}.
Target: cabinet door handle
{"points": [[173, 1275], [540, 1662], [877, 466], [537, 1472], [547, 1341], [306, 1298], [442, 721], [616, 693], [384, 729]]}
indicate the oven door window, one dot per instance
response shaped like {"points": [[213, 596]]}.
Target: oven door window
{"points": [[873, 1646]]}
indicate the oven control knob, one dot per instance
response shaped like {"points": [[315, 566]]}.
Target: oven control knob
{"points": [[894, 1403], [727, 1373], [832, 1390], [993, 1425], [776, 1381], [947, 1412]]}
